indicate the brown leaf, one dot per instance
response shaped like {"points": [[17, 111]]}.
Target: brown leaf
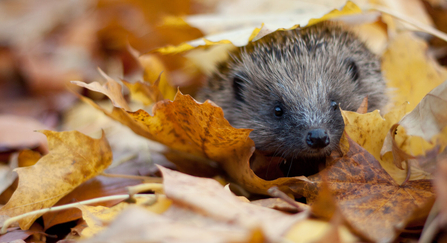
{"points": [[428, 121], [369, 199], [363, 108], [275, 203], [201, 211], [136, 224], [324, 206], [99, 186], [207, 197], [73, 159], [430, 115], [399, 155], [198, 134], [111, 89]]}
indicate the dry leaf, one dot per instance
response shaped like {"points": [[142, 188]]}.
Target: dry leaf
{"points": [[261, 23], [135, 224], [207, 197], [312, 230], [198, 134], [154, 71], [73, 159], [275, 203], [409, 70], [363, 108], [22, 159], [370, 131], [202, 211], [144, 92], [369, 199], [98, 186], [28, 158], [111, 88], [430, 115], [97, 218], [412, 9], [424, 129]]}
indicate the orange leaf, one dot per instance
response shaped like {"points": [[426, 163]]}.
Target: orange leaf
{"points": [[369, 199], [197, 135]]}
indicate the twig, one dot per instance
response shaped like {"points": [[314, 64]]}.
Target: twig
{"points": [[67, 206], [275, 192]]}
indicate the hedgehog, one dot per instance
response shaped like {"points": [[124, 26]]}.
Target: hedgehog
{"points": [[289, 87]]}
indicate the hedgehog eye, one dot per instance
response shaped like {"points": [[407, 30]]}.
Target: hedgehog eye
{"points": [[238, 88], [278, 111], [334, 105], [353, 70]]}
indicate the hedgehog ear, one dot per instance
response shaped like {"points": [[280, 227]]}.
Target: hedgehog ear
{"points": [[353, 70], [238, 88]]}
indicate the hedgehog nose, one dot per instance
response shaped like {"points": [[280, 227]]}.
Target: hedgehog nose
{"points": [[317, 138]]}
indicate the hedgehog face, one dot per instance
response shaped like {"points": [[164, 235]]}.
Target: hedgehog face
{"points": [[289, 86]]}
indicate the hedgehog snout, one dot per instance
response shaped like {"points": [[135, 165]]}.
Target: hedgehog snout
{"points": [[317, 138]]}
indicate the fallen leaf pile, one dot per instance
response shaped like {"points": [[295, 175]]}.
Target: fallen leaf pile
{"points": [[145, 162]]}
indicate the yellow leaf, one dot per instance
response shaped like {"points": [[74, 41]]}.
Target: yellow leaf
{"points": [[430, 115], [28, 158], [348, 9], [370, 130], [152, 68], [73, 159], [198, 136], [144, 92], [171, 49], [311, 230], [98, 217], [409, 71]]}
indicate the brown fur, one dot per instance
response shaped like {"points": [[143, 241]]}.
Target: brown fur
{"points": [[301, 71]]}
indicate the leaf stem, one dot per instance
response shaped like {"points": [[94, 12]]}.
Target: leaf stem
{"points": [[67, 206]]}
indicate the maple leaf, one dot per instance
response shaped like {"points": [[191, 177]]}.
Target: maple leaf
{"points": [[414, 74], [198, 136], [368, 197], [73, 159], [98, 186], [423, 133]]}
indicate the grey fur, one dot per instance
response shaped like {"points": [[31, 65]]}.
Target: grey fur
{"points": [[302, 71]]}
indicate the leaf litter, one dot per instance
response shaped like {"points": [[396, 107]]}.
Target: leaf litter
{"points": [[361, 195]]}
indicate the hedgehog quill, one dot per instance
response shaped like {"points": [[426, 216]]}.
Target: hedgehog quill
{"points": [[289, 85]]}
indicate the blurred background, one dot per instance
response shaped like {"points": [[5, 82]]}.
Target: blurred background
{"points": [[46, 44]]}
